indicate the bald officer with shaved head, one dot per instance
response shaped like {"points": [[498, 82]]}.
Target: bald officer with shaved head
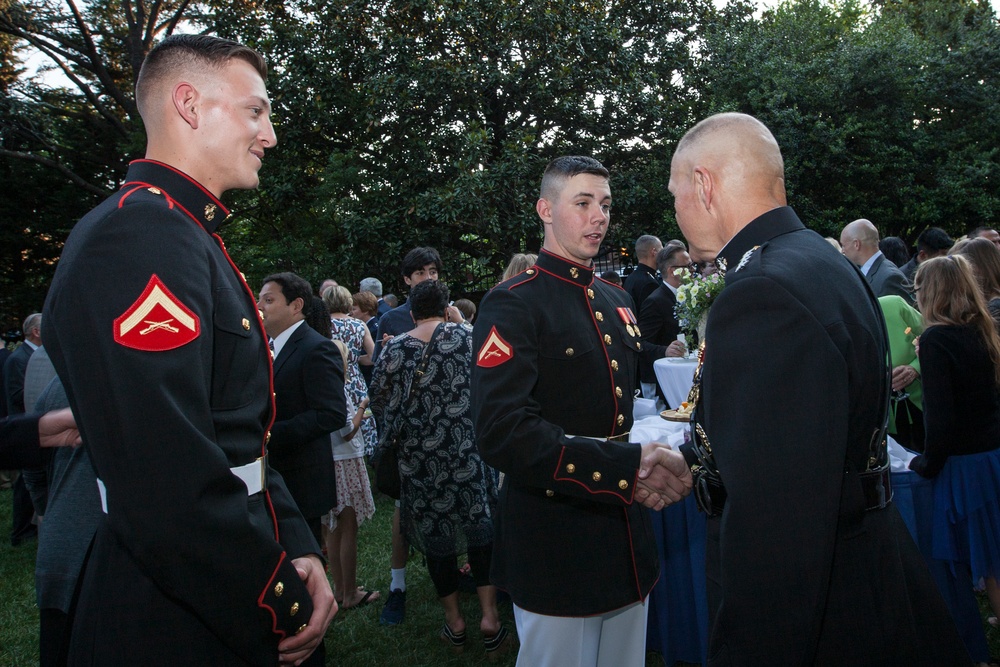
{"points": [[808, 561]]}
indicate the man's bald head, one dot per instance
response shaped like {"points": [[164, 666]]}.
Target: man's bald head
{"points": [[726, 171], [859, 241], [186, 56], [740, 145]]}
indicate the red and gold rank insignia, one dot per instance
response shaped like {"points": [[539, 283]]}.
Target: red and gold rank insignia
{"points": [[495, 351], [157, 321]]}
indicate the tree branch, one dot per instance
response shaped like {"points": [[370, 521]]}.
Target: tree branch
{"points": [[61, 168]]}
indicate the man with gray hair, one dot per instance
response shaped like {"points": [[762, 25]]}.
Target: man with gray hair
{"points": [[374, 285], [642, 281], [859, 243]]}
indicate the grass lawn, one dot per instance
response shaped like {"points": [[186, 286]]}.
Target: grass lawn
{"points": [[355, 637]]}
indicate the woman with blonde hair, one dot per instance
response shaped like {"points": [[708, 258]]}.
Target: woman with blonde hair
{"points": [[518, 263], [355, 335], [959, 354]]}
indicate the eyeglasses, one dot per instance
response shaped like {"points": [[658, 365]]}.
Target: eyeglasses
{"points": [[690, 267]]}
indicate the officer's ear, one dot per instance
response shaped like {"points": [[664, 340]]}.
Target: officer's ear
{"points": [[185, 98]]}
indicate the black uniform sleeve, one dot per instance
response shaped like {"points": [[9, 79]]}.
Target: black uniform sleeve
{"points": [[516, 439], [19, 442], [148, 418]]}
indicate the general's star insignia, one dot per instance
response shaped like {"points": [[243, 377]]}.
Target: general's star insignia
{"points": [[157, 321], [494, 351]]}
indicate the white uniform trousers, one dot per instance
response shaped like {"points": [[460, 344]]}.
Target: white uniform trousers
{"points": [[615, 639]]}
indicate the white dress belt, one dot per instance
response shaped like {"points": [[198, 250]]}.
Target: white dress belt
{"points": [[251, 474]]}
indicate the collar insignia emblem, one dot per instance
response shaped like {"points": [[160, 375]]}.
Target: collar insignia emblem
{"points": [[157, 321], [210, 211], [745, 258], [574, 272], [494, 351]]}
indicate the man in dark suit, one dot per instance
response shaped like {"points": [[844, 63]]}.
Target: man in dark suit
{"points": [[309, 402], [657, 323], [859, 243], [309, 397], [642, 281], [808, 562], [14, 369]]}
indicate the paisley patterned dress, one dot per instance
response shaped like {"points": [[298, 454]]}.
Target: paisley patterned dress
{"points": [[448, 495]]}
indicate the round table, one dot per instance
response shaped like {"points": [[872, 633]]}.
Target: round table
{"points": [[675, 376]]}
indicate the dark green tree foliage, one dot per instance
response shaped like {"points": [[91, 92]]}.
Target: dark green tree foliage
{"points": [[406, 123], [882, 113], [65, 145]]}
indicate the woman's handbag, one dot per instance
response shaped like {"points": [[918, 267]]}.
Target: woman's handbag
{"points": [[385, 458], [385, 463]]}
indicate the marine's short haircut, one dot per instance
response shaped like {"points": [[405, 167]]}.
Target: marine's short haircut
{"points": [[644, 244], [181, 51], [566, 167]]}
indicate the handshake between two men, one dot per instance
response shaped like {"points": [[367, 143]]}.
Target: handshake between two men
{"points": [[664, 476]]}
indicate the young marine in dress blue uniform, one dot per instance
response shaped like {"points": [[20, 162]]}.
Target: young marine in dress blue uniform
{"points": [[203, 557], [556, 363]]}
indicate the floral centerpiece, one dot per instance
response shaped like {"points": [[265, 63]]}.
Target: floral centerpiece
{"points": [[694, 297]]}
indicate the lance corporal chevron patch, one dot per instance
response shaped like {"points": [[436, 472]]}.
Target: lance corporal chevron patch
{"points": [[157, 321], [495, 351]]}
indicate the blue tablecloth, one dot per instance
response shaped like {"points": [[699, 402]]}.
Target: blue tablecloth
{"points": [[678, 608]]}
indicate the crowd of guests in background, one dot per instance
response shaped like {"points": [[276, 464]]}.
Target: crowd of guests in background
{"points": [[412, 365]]}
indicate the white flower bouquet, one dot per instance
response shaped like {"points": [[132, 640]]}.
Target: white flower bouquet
{"points": [[694, 297]]}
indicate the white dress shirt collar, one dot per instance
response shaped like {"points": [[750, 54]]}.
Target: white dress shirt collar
{"points": [[282, 338]]}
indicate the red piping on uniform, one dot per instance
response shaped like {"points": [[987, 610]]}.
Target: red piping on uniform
{"points": [[557, 478], [187, 178], [260, 600], [571, 282], [121, 202], [631, 551], [270, 372]]}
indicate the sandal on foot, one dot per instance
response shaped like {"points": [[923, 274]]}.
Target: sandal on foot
{"points": [[369, 596], [498, 644], [454, 639]]}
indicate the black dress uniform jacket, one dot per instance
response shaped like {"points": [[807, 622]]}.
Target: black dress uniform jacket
{"points": [[569, 539], [659, 329], [187, 568], [794, 384]]}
